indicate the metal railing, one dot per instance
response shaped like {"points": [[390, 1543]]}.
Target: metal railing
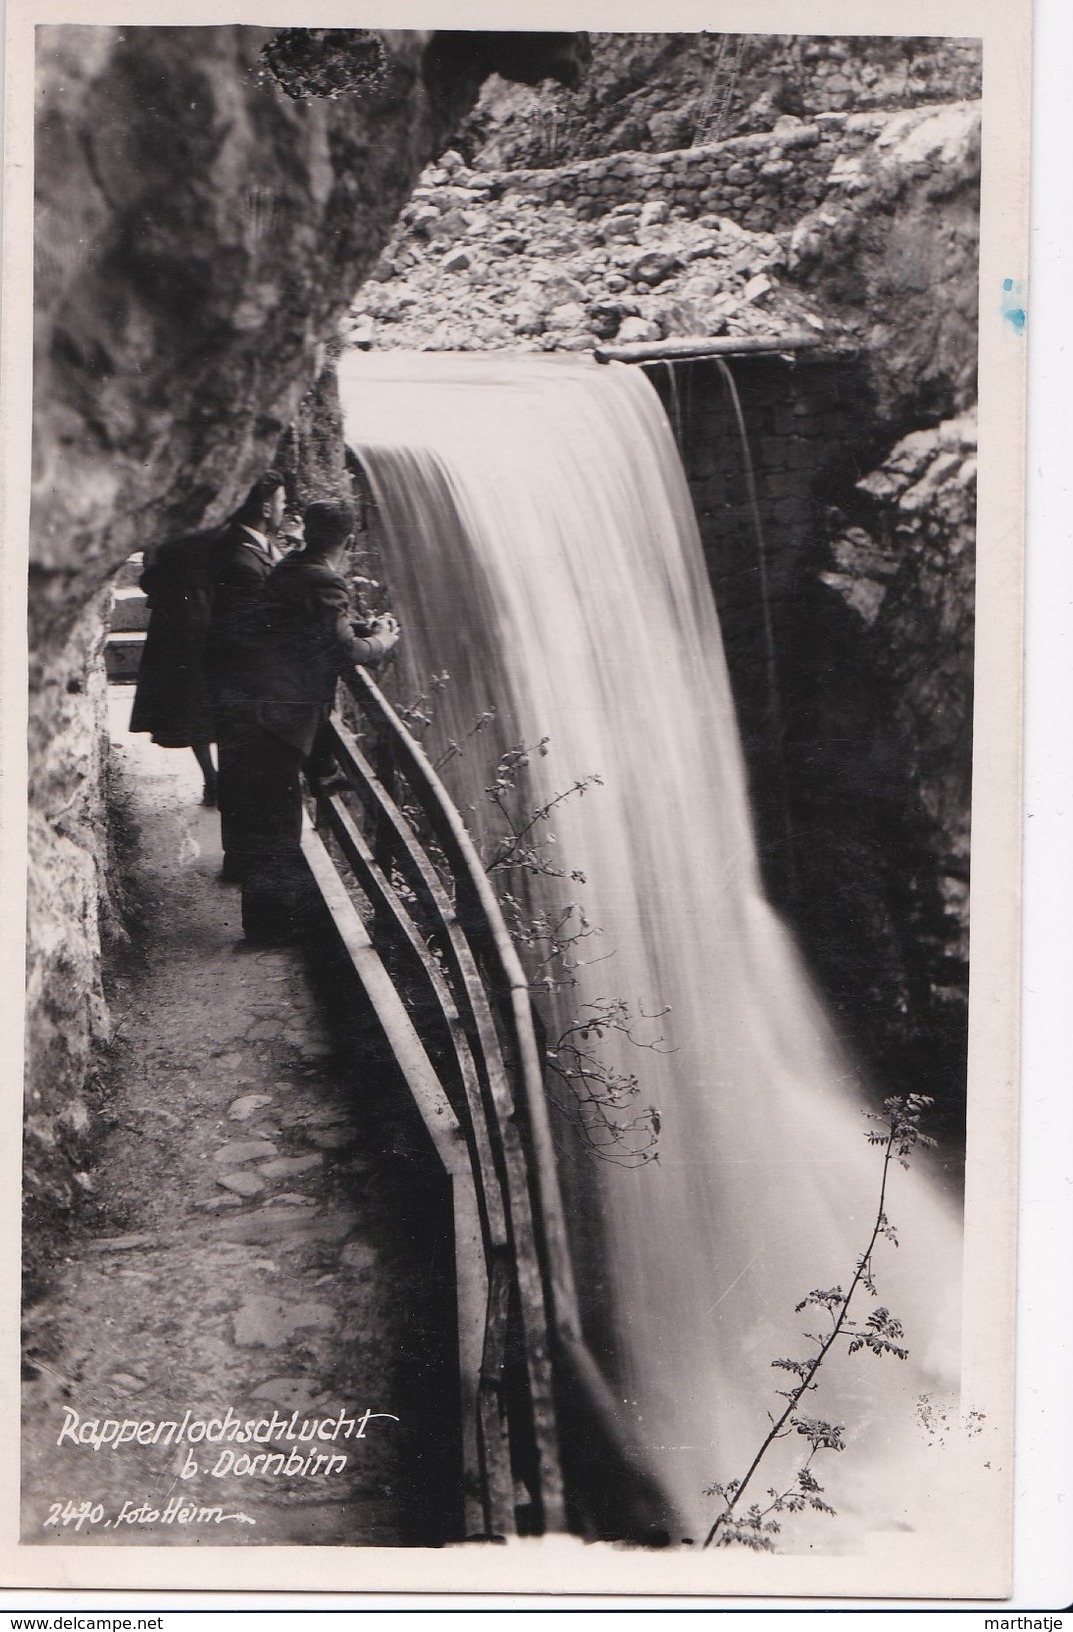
{"points": [[427, 939]]}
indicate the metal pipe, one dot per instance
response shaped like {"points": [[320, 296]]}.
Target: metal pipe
{"points": [[724, 345]]}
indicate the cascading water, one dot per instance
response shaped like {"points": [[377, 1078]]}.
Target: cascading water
{"points": [[542, 549]]}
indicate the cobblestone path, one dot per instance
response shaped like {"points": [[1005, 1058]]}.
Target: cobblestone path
{"points": [[264, 1257]]}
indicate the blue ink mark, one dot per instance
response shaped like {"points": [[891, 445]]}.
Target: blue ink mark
{"points": [[1012, 304]]}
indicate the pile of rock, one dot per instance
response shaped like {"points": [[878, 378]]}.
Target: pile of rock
{"points": [[476, 265], [747, 237]]}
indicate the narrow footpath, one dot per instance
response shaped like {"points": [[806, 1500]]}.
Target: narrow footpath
{"points": [[264, 1256]]}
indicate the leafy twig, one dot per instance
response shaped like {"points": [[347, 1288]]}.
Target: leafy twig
{"points": [[600, 1092], [514, 848], [550, 941], [455, 749], [880, 1334], [419, 712], [601, 1095]]}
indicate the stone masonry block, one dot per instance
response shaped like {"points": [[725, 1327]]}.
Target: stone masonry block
{"points": [[786, 484], [801, 453]]}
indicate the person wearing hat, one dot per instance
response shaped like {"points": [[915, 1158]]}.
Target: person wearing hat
{"points": [[243, 555], [306, 639], [200, 588], [172, 700]]}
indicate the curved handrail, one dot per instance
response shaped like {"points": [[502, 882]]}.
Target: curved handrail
{"points": [[561, 1292], [485, 1507], [383, 898], [498, 1112], [439, 806]]}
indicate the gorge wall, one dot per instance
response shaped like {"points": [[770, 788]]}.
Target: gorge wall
{"points": [[198, 232]]}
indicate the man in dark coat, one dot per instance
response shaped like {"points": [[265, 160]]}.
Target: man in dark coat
{"points": [[172, 700], [307, 639], [244, 552]]}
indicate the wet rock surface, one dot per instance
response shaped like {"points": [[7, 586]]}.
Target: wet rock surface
{"points": [[924, 497], [292, 1275], [859, 755]]}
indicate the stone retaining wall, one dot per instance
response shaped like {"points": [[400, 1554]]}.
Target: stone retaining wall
{"points": [[763, 181]]}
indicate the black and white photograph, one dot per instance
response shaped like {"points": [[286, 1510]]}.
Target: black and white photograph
{"points": [[521, 683]]}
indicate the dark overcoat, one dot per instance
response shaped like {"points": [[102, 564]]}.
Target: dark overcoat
{"points": [[240, 570], [172, 701], [306, 642]]}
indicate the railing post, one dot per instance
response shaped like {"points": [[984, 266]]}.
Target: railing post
{"points": [[383, 843]]}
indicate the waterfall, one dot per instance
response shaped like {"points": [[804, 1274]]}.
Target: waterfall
{"points": [[541, 547]]}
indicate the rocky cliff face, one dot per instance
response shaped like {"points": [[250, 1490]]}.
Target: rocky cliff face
{"points": [[653, 92], [198, 233], [893, 247], [69, 904], [879, 646]]}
